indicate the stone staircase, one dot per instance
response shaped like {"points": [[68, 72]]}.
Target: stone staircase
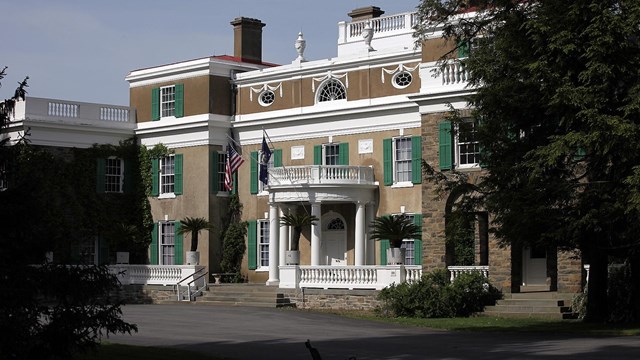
{"points": [[257, 295], [533, 304]]}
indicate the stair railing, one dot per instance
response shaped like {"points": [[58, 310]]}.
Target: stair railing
{"points": [[195, 278]]}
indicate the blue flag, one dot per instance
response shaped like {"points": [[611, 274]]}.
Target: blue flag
{"points": [[265, 156]]}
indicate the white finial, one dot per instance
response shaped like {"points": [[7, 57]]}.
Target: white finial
{"points": [[367, 35], [300, 44]]}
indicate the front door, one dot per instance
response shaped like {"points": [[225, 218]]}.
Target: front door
{"points": [[534, 266], [334, 241]]}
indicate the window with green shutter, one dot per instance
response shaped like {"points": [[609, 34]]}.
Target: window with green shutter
{"points": [[178, 178], [253, 186], [417, 243], [317, 155], [178, 240], [153, 248], [179, 101], [252, 235], [155, 104], [416, 159], [277, 157], [343, 154], [384, 245], [387, 161], [155, 177]]}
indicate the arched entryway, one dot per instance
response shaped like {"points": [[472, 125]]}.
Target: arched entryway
{"points": [[334, 239]]}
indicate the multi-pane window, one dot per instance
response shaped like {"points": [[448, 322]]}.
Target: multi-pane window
{"points": [[263, 243], [332, 90], [88, 252], [167, 243], [402, 159], [331, 154], [409, 246], [167, 174], [467, 146], [222, 162], [167, 101], [113, 175]]}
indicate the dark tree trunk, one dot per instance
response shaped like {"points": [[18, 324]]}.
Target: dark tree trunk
{"points": [[295, 238], [194, 242], [597, 308], [634, 261]]}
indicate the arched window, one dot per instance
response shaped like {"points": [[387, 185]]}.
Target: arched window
{"points": [[335, 224], [332, 90]]}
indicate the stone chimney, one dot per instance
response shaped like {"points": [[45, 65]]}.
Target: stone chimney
{"points": [[365, 13], [247, 39]]}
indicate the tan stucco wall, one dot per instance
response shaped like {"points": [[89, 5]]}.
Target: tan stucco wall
{"points": [[363, 84], [202, 95], [434, 49]]}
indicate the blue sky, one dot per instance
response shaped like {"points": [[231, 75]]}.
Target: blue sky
{"points": [[82, 50]]}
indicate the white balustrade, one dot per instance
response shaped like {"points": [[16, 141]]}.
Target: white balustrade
{"points": [[61, 109], [153, 274], [383, 24], [457, 270], [347, 277], [114, 114], [322, 174], [56, 110], [439, 78]]}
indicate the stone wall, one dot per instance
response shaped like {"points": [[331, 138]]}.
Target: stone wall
{"points": [[570, 272], [335, 299], [146, 294]]}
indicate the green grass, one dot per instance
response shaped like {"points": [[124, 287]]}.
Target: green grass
{"points": [[491, 324], [109, 351]]}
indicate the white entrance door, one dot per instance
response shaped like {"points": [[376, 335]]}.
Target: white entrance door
{"points": [[335, 247], [534, 266]]}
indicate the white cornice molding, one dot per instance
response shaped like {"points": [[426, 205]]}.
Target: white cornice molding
{"points": [[197, 130]]}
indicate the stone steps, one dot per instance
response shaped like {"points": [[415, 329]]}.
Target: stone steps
{"points": [[256, 295], [544, 304]]}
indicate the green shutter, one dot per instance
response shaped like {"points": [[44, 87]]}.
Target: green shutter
{"points": [[253, 187], [343, 154], [155, 104], [463, 49], [155, 177], [317, 155], [177, 177], [417, 243], [129, 177], [179, 109], [445, 145], [213, 173], [252, 237], [103, 251], [580, 154], [234, 178], [387, 161], [153, 248], [384, 245], [277, 157], [100, 173], [416, 159], [178, 239]]}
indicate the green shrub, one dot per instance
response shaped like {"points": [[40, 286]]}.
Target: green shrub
{"points": [[433, 296]]}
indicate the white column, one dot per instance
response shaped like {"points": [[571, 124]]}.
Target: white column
{"points": [[359, 235], [316, 234], [274, 224], [284, 237], [371, 245]]}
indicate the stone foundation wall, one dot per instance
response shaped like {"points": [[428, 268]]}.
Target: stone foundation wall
{"points": [[570, 272], [334, 299], [146, 294]]}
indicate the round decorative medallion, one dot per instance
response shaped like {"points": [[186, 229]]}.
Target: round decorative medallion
{"points": [[402, 79], [267, 98]]}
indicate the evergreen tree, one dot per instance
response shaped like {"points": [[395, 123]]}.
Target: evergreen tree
{"points": [[557, 88]]}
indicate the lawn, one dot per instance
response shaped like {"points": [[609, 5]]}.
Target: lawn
{"points": [[109, 351]]}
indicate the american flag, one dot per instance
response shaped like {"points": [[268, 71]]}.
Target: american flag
{"points": [[234, 160]]}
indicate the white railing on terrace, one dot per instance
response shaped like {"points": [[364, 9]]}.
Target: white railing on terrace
{"points": [[383, 24], [321, 174], [153, 274], [453, 76], [457, 270], [347, 277], [49, 109]]}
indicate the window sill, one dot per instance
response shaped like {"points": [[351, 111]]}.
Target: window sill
{"points": [[222, 194], [263, 193], [464, 168], [167, 196], [404, 184], [262, 269]]}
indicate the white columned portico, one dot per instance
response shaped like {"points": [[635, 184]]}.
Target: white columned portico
{"points": [[316, 234], [284, 237], [370, 247], [359, 234], [274, 224]]}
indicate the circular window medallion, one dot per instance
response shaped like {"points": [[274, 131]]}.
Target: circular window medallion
{"points": [[267, 98], [402, 79]]}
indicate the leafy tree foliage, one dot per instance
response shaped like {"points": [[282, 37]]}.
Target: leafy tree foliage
{"points": [[48, 311], [557, 99], [232, 234]]}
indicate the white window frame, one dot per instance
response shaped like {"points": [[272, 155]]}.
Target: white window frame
{"points": [[262, 245], [408, 244], [221, 171], [326, 84], [335, 156], [117, 176], [395, 77], [396, 162], [262, 189], [168, 101], [167, 179], [166, 243], [458, 144]]}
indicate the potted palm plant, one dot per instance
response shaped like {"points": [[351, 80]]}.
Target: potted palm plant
{"points": [[122, 238], [296, 221], [193, 226], [395, 229]]}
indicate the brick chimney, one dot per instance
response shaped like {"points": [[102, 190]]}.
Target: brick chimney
{"points": [[364, 13], [247, 39]]}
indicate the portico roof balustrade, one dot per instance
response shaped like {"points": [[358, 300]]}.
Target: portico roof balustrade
{"points": [[282, 177]]}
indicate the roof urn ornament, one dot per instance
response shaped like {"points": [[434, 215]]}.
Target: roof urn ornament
{"points": [[367, 35], [300, 45]]}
